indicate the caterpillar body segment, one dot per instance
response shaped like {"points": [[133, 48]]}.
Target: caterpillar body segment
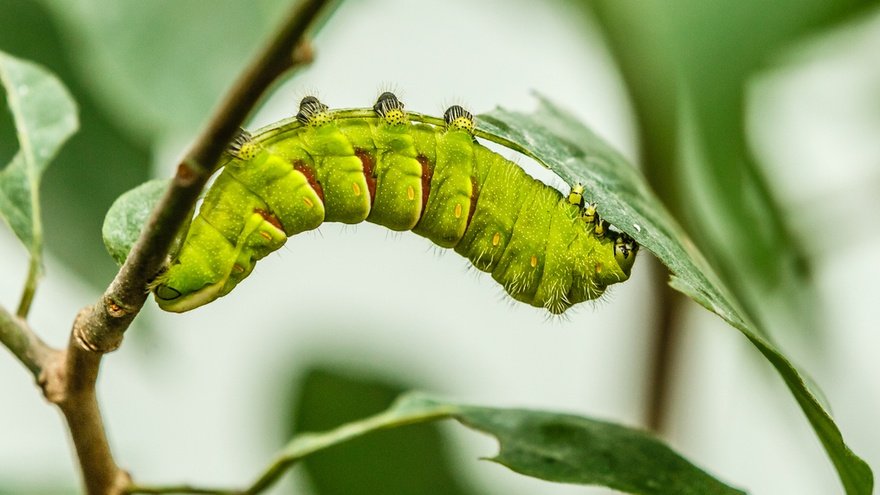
{"points": [[435, 180]]}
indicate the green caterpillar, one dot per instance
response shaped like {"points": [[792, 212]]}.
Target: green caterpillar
{"points": [[381, 166]]}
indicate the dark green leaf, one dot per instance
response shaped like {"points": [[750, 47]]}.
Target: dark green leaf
{"points": [[128, 215], [574, 449], [576, 154], [45, 116], [414, 460]]}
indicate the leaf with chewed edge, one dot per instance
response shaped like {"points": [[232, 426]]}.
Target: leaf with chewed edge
{"points": [[550, 446]]}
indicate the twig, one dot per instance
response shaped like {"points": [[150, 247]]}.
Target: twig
{"points": [[180, 489], [69, 378], [18, 337], [30, 287], [667, 326]]}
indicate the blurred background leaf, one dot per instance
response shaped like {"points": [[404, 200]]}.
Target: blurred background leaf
{"points": [[687, 65], [156, 85], [98, 163], [45, 116], [411, 459]]}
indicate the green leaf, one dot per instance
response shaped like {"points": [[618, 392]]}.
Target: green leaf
{"points": [[574, 449], [128, 215], [550, 446], [562, 143], [45, 116]]}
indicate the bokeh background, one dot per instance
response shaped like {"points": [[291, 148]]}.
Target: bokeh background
{"points": [[757, 122]]}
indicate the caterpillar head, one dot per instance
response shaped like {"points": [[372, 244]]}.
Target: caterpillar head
{"points": [[625, 249], [177, 292]]}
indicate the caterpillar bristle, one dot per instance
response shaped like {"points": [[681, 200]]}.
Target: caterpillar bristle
{"points": [[243, 145], [312, 112], [457, 117], [390, 108]]}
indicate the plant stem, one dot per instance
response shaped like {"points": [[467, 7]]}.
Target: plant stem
{"points": [[24, 344], [664, 351], [30, 287], [180, 489]]}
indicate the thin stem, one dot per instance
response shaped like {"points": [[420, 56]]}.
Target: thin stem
{"points": [[17, 336], [180, 489], [667, 326], [30, 287]]}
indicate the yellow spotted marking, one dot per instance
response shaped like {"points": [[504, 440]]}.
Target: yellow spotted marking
{"points": [[457, 210], [533, 261], [248, 151], [308, 202], [496, 239], [395, 116], [410, 193], [464, 124]]}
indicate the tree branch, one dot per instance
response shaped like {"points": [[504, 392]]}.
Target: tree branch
{"points": [[68, 378], [18, 337]]}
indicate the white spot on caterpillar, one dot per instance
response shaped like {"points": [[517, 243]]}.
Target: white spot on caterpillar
{"points": [[637, 227]]}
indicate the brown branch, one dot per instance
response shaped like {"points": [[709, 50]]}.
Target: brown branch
{"points": [[68, 378], [24, 344]]}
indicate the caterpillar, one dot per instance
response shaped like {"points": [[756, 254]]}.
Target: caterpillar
{"points": [[383, 166]]}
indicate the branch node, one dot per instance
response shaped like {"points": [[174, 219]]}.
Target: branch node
{"points": [[52, 378], [91, 333]]}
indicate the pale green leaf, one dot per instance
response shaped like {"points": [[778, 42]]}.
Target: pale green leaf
{"points": [[127, 216], [45, 116]]}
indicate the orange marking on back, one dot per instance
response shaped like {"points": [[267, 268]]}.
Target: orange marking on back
{"points": [[368, 164], [305, 169], [533, 261], [410, 193], [457, 210], [496, 239], [356, 188], [271, 218], [308, 202]]}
